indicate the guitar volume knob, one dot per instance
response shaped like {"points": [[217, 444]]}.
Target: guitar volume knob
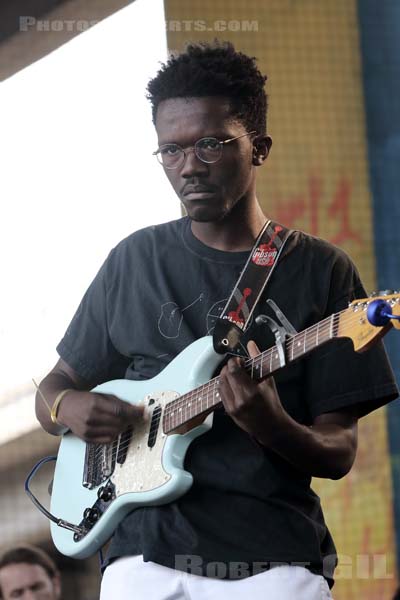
{"points": [[91, 515], [105, 494]]}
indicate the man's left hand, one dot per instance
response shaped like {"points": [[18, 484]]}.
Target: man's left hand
{"points": [[253, 405]]}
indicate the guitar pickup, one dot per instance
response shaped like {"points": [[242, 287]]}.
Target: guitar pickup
{"points": [[123, 445], [155, 423]]}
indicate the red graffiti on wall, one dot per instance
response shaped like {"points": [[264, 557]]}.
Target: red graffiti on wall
{"points": [[309, 205]]}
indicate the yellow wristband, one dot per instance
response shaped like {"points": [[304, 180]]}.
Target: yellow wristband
{"points": [[54, 408]]}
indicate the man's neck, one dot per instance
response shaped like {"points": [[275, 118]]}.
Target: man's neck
{"points": [[235, 233]]}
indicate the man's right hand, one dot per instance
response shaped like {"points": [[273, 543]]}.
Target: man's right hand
{"points": [[97, 418]]}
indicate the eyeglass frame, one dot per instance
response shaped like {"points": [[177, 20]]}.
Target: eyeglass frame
{"points": [[207, 162]]}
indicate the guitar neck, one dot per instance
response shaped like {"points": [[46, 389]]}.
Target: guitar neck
{"points": [[206, 398]]}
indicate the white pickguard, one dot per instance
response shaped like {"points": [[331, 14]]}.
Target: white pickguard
{"points": [[143, 469]]}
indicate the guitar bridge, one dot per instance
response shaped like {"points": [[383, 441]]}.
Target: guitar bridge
{"points": [[99, 464]]}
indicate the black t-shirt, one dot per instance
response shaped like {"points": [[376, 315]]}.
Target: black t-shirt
{"points": [[159, 290]]}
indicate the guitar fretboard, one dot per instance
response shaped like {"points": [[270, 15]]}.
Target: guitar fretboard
{"points": [[207, 397]]}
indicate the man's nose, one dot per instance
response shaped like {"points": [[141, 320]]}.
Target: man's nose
{"points": [[193, 165]]}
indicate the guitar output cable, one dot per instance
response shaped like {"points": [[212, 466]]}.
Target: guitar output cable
{"points": [[43, 509]]}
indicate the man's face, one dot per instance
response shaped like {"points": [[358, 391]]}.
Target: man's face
{"points": [[28, 582], [208, 191]]}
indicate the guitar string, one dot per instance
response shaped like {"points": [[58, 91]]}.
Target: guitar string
{"points": [[266, 356], [319, 328], [330, 324], [204, 390]]}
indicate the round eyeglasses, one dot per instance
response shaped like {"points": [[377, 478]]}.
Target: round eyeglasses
{"points": [[207, 149]]}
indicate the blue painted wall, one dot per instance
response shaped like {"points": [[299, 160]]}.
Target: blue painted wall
{"points": [[380, 48]]}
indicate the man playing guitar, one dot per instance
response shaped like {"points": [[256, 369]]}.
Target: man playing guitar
{"points": [[250, 523]]}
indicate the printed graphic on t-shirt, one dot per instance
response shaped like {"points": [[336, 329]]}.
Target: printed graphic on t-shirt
{"points": [[171, 317], [214, 313]]}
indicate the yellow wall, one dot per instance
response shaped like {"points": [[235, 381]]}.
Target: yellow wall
{"points": [[316, 179]]}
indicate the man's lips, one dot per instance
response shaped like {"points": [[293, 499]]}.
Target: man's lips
{"points": [[198, 192]]}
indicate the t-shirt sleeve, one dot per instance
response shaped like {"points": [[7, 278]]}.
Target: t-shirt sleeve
{"points": [[339, 377], [87, 346]]}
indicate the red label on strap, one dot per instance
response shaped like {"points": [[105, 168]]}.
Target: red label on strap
{"points": [[263, 256]]}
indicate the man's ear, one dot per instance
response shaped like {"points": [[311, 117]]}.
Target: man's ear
{"points": [[261, 147]]}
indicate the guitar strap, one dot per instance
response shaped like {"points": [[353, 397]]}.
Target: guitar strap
{"points": [[251, 283]]}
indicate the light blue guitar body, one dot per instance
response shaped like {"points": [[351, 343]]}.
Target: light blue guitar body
{"points": [[146, 468], [148, 475]]}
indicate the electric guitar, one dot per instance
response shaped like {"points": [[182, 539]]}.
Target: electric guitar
{"points": [[96, 485]]}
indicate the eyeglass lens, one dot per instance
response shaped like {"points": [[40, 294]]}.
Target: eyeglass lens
{"points": [[208, 150]]}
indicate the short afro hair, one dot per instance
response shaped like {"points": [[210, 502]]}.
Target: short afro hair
{"points": [[215, 69]]}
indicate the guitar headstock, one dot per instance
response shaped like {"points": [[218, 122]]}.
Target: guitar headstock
{"points": [[353, 322]]}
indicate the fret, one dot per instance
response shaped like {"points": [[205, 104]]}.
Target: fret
{"points": [[315, 332], [255, 367], [186, 410], [264, 362], [310, 340], [295, 344], [213, 396], [167, 418], [307, 340], [271, 360], [313, 342], [335, 325], [299, 344], [324, 332]]}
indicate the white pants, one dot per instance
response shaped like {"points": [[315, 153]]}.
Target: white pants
{"points": [[130, 578]]}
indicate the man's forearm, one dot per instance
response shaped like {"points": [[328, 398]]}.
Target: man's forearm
{"points": [[324, 450]]}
